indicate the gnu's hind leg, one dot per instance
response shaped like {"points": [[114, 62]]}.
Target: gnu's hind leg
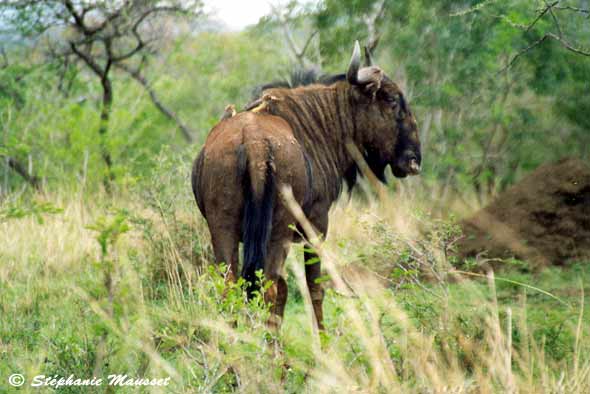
{"points": [[276, 295], [313, 271], [225, 246]]}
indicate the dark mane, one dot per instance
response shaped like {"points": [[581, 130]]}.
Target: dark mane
{"points": [[303, 78], [322, 120], [299, 77]]}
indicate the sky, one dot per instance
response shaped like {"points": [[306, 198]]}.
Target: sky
{"points": [[237, 14]]}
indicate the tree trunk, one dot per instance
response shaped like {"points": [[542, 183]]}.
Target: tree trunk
{"points": [[105, 115], [20, 169]]}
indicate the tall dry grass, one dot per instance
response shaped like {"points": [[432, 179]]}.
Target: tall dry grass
{"points": [[478, 365], [149, 306]]}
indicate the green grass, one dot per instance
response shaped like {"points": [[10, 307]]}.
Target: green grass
{"points": [[91, 290]]}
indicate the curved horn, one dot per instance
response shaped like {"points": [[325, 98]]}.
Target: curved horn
{"points": [[355, 64], [368, 57]]}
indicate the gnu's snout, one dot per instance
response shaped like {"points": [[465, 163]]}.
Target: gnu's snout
{"points": [[408, 164]]}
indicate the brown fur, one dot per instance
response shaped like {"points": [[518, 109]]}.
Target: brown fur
{"points": [[298, 140]]}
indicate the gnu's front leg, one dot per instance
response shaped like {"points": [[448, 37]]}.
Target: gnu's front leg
{"points": [[313, 271]]}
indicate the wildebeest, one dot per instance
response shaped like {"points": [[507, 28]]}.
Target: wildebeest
{"points": [[298, 140]]}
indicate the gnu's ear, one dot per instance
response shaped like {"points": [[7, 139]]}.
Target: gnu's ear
{"points": [[370, 79]]}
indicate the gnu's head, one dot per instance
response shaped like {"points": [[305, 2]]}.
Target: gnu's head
{"points": [[387, 128]]}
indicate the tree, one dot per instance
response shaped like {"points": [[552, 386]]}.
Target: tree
{"points": [[102, 35], [11, 91], [547, 21]]}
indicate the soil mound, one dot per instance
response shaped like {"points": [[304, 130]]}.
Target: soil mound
{"points": [[543, 219]]}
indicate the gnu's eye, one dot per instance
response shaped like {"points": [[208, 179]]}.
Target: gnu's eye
{"points": [[391, 100]]}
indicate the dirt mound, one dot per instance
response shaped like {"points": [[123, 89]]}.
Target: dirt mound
{"points": [[544, 219]]}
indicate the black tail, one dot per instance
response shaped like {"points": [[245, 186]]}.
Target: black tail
{"points": [[256, 224]]}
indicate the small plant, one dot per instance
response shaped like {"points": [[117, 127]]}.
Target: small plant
{"points": [[37, 209], [231, 298], [408, 260], [109, 231]]}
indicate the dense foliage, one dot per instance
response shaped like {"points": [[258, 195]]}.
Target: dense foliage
{"points": [[486, 114]]}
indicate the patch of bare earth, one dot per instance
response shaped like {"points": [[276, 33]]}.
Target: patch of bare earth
{"points": [[544, 218]]}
